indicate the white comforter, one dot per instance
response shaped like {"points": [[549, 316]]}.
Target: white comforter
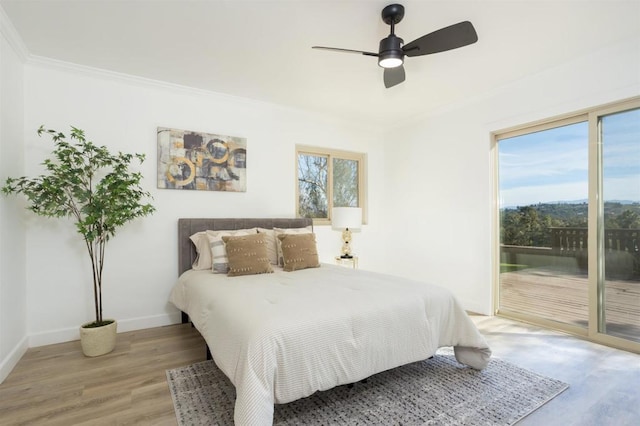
{"points": [[283, 336]]}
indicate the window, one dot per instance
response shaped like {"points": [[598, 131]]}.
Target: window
{"points": [[568, 250], [326, 179]]}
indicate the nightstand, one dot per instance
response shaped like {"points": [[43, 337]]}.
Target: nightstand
{"points": [[351, 262]]}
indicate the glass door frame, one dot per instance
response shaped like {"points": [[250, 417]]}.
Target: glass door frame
{"points": [[595, 240], [597, 301]]}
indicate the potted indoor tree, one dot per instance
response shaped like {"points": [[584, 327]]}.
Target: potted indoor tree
{"points": [[96, 189]]}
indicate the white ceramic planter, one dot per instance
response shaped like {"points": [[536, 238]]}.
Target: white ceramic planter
{"points": [[99, 340]]}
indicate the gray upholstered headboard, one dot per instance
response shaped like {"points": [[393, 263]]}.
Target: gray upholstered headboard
{"points": [[188, 227]]}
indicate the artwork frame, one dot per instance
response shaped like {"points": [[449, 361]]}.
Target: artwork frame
{"points": [[191, 160]]}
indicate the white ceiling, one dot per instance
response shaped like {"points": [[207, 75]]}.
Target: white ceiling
{"points": [[262, 49]]}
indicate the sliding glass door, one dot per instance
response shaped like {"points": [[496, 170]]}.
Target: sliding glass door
{"points": [[569, 224], [543, 215], [619, 287]]}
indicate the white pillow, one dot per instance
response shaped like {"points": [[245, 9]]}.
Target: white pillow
{"points": [[272, 247], [219, 259], [279, 231], [201, 242]]}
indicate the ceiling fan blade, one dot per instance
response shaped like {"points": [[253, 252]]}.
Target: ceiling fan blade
{"points": [[393, 76], [337, 49], [447, 38]]}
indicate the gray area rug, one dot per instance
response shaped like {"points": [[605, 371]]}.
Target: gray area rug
{"points": [[438, 391]]}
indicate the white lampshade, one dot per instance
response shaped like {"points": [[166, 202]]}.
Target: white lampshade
{"points": [[346, 217]]}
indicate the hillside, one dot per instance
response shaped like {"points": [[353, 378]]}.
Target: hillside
{"points": [[529, 225]]}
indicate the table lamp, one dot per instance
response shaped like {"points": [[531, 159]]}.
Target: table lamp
{"points": [[346, 219]]}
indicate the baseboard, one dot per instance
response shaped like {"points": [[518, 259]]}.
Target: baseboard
{"points": [[148, 322], [474, 306], [131, 324], [11, 360], [54, 336]]}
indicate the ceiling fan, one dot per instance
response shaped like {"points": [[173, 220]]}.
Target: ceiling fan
{"points": [[392, 49]]}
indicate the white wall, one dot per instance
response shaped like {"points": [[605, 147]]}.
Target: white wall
{"points": [[141, 264], [441, 192], [13, 293]]}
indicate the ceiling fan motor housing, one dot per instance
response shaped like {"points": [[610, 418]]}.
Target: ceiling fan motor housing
{"points": [[390, 48]]}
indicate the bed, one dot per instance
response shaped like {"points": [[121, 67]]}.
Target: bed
{"points": [[282, 336]]}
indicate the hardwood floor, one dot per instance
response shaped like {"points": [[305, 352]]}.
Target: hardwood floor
{"points": [[57, 385], [603, 381]]}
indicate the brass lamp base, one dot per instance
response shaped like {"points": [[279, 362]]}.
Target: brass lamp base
{"points": [[346, 247]]}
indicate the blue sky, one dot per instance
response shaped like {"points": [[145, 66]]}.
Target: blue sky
{"points": [[552, 165]]}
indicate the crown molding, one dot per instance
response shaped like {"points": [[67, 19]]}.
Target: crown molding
{"points": [[89, 71], [104, 74], [11, 35], [119, 77]]}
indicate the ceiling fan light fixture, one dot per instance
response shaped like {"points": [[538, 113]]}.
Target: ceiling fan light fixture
{"points": [[390, 61]]}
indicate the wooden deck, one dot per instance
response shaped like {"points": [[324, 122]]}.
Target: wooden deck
{"points": [[563, 297]]}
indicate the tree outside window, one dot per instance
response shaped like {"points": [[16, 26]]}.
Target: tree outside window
{"points": [[313, 178], [328, 179]]}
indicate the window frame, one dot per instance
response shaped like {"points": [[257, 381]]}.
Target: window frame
{"points": [[332, 154]]}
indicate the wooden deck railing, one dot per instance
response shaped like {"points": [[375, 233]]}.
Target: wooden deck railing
{"points": [[622, 251], [571, 240]]}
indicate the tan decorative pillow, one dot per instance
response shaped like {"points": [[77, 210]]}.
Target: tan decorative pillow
{"points": [[218, 252], [247, 254], [299, 251], [280, 231]]}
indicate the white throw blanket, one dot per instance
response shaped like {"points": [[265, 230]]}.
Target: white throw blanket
{"points": [[283, 336]]}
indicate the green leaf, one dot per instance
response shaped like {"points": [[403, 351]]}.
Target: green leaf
{"points": [[90, 185]]}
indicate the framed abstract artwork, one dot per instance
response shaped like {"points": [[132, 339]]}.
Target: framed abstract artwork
{"points": [[201, 161]]}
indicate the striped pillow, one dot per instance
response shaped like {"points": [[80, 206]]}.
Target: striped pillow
{"points": [[272, 247]]}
